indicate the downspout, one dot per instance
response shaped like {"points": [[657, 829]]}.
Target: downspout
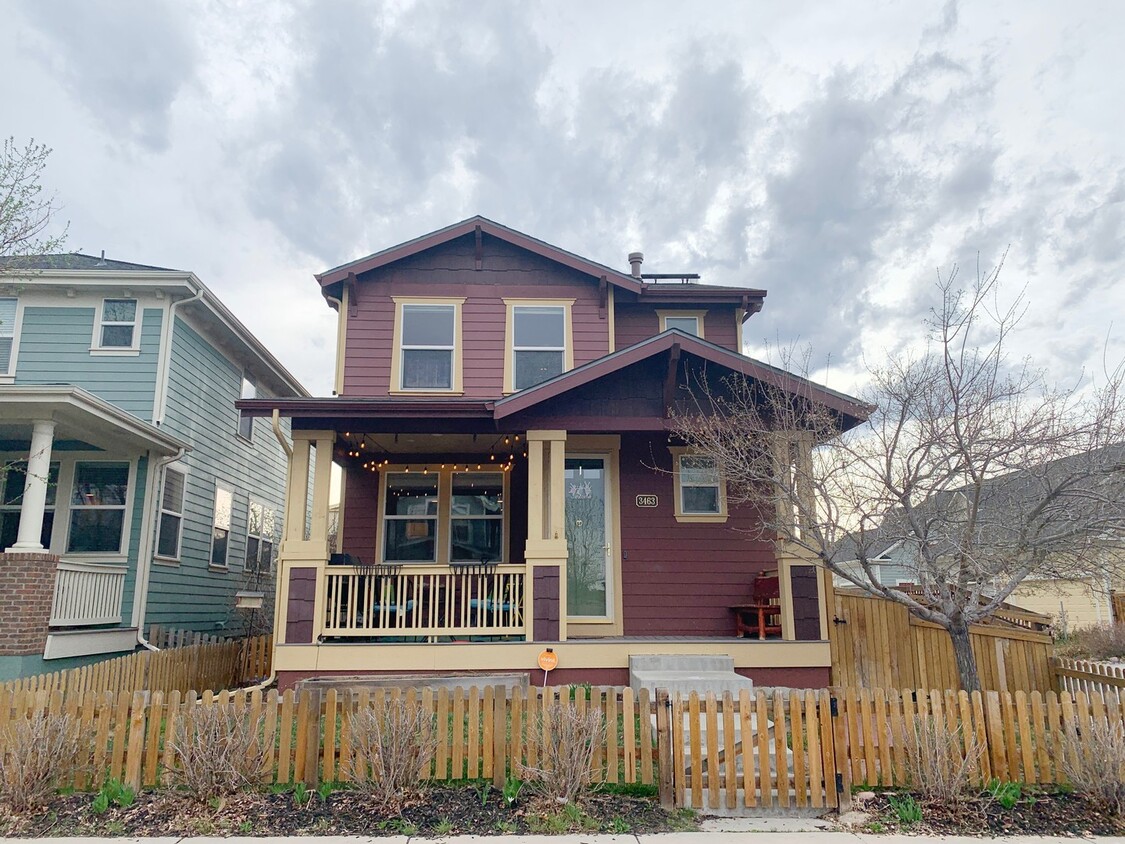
{"points": [[288, 449], [144, 550]]}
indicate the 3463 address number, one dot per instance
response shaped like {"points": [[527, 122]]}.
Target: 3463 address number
{"points": [[648, 501]]}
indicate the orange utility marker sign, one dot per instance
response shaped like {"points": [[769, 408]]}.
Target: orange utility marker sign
{"points": [[548, 661]]}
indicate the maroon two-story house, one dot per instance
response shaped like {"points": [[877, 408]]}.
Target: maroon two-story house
{"points": [[509, 483]]}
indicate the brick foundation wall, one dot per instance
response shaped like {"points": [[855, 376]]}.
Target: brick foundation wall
{"points": [[27, 588]]}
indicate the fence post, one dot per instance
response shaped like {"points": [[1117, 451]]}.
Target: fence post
{"points": [[500, 737], [842, 775], [311, 776], [665, 773]]}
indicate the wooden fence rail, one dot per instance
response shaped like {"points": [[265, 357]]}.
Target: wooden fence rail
{"points": [[206, 666]]}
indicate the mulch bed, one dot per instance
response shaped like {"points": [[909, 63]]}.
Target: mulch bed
{"points": [[1037, 813], [439, 810]]}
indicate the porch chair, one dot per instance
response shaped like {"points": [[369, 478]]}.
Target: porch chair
{"points": [[762, 616]]}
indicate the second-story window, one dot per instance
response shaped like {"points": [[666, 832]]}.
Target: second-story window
{"points": [[689, 322], [538, 344], [118, 326], [428, 344], [220, 525], [246, 422], [7, 334]]}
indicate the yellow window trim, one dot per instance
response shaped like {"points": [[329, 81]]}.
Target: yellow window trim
{"points": [[395, 386], [509, 334], [697, 315], [677, 498]]}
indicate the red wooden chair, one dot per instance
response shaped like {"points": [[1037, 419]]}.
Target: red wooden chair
{"points": [[762, 616]]}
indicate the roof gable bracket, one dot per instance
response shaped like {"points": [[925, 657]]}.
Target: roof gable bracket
{"points": [[670, 377], [603, 297], [479, 251], [353, 295]]}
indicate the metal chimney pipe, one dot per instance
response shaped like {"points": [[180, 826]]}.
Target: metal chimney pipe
{"points": [[635, 261]]}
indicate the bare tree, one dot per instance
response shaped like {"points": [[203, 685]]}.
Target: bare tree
{"points": [[977, 468], [26, 211]]}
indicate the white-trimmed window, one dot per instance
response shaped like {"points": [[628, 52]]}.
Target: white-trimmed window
{"points": [[116, 327], [246, 422], [220, 525], [700, 490], [476, 517], [410, 517], [13, 477], [8, 307], [260, 527], [538, 341], [427, 347], [689, 322], [171, 514], [98, 500]]}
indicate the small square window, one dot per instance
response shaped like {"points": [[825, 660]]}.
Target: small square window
{"points": [[118, 324], [689, 322], [700, 492]]}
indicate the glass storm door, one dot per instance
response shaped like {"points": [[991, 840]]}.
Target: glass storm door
{"points": [[588, 571]]}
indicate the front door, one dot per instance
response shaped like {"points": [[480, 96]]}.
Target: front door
{"points": [[589, 569]]}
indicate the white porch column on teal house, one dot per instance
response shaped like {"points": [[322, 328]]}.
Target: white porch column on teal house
{"points": [[34, 501]]}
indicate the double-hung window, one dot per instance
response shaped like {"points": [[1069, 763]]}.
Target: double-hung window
{"points": [[245, 422], [171, 515], [538, 341], [700, 490], [260, 528], [426, 348], [7, 335], [410, 517], [220, 525], [477, 517], [117, 325], [13, 477], [97, 507]]}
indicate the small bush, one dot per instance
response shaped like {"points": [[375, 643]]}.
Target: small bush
{"points": [[1099, 641], [1094, 764], [942, 767], [394, 745], [565, 774], [906, 808], [218, 751], [1007, 794], [35, 752]]}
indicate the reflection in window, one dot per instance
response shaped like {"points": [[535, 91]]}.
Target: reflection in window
{"points": [[428, 334], [538, 344], [699, 485], [119, 323], [410, 518], [477, 517], [11, 497], [97, 507], [220, 530]]}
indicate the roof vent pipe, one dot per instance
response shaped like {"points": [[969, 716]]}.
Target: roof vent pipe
{"points": [[635, 261]]}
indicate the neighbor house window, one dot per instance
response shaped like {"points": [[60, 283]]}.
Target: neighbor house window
{"points": [[171, 514], [117, 327], [410, 517], [689, 322], [7, 335], [13, 476], [538, 342], [97, 507], [220, 526], [260, 527], [246, 422], [700, 491], [476, 514], [427, 354]]}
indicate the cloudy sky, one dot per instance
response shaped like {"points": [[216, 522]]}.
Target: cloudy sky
{"points": [[837, 154]]}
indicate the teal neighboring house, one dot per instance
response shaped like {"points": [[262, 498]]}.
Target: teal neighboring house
{"points": [[132, 492]]}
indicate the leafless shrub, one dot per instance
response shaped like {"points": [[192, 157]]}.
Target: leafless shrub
{"points": [[566, 739], [218, 750], [394, 744], [1098, 641], [35, 753], [943, 764], [1094, 763]]}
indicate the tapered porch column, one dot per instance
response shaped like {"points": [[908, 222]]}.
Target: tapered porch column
{"points": [[546, 535], [35, 488]]}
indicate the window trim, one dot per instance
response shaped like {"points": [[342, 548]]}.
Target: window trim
{"points": [[395, 387], [503, 517], [10, 375], [510, 335], [248, 437], [96, 347], [161, 511], [126, 508], [211, 564], [698, 316], [259, 536], [679, 452]]}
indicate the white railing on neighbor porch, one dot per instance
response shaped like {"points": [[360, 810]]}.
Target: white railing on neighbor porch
{"points": [[425, 601], [87, 594]]}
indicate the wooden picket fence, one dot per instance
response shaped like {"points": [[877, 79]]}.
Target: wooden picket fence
{"points": [[1079, 675], [168, 637], [221, 665]]}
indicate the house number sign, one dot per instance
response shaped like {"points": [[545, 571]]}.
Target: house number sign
{"points": [[648, 501]]}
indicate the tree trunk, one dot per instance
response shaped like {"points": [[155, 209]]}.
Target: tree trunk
{"points": [[963, 653]]}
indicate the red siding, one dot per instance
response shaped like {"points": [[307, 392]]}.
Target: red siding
{"points": [[634, 322], [449, 270], [680, 579]]}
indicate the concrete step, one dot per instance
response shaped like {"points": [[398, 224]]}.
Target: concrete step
{"points": [[686, 673]]}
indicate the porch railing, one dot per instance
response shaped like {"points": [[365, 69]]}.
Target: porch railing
{"points": [[87, 594], [425, 601]]}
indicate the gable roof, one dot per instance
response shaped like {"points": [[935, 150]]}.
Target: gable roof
{"points": [[853, 409], [72, 261]]}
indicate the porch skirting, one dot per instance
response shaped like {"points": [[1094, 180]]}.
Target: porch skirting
{"points": [[601, 661]]}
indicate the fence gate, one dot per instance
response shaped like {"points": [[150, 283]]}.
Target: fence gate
{"points": [[753, 751]]}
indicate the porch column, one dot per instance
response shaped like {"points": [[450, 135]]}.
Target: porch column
{"points": [[546, 536], [35, 488]]}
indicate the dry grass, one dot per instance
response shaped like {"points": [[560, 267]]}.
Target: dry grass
{"points": [[942, 766], [35, 752], [394, 745], [567, 739], [1099, 641], [218, 751], [1094, 763]]}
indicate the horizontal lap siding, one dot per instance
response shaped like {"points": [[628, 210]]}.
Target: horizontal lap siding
{"points": [[55, 349], [680, 579], [635, 322], [448, 271]]}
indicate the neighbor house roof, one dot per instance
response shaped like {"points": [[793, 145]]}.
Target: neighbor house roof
{"points": [[73, 261]]}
